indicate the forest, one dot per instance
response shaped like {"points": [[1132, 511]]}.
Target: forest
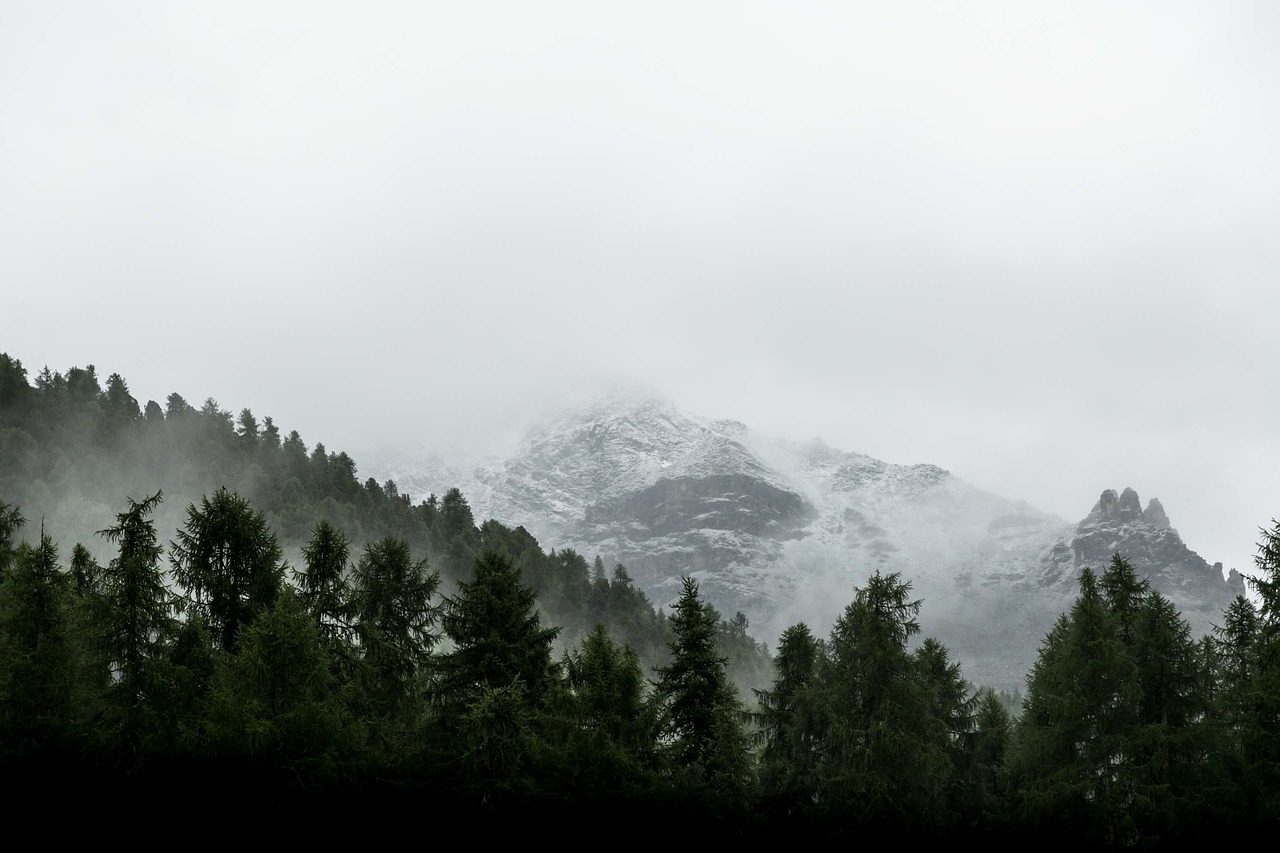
{"points": [[248, 616]]}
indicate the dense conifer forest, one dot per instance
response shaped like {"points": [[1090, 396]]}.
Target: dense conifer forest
{"points": [[245, 615]]}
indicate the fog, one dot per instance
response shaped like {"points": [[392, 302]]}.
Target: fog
{"points": [[1031, 243]]}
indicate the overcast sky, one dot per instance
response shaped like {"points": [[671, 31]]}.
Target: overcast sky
{"points": [[1034, 243]]}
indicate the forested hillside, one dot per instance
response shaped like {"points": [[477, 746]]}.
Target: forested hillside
{"points": [[407, 661]]}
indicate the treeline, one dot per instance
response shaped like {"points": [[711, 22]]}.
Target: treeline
{"points": [[350, 676], [407, 660], [70, 446], [352, 679], [1131, 731]]}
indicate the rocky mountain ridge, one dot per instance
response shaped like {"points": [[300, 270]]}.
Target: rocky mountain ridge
{"points": [[783, 531]]}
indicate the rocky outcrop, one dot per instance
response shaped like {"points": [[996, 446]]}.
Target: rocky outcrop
{"points": [[783, 532], [1157, 552]]}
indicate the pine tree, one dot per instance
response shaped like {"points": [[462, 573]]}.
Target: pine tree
{"points": [[984, 775], [1264, 692], [394, 622], [610, 729], [701, 715], [1078, 732], [787, 723], [37, 655], [11, 521], [491, 689], [323, 586], [498, 638], [276, 703], [136, 612], [228, 561], [883, 759]]}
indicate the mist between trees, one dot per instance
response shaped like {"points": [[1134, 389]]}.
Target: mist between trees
{"points": [[407, 654]]}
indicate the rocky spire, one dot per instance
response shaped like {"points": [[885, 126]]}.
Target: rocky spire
{"points": [[1154, 514], [1125, 507]]}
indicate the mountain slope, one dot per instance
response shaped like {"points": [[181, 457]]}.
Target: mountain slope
{"points": [[783, 532]]}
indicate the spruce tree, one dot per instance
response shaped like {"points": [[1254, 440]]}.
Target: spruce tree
{"points": [[275, 704], [491, 689], [610, 727], [38, 668], [11, 522], [323, 586], [884, 762], [700, 712], [1077, 736], [136, 617], [229, 563], [787, 722], [498, 638], [394, 622]]}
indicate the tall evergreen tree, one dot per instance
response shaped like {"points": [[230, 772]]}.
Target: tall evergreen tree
{"points": [[228, 561], [787, 723], [136, 609], [276, 704], [492, 688], [323, 586], [497, 635], [37, 655], [610, 728], [11, 522], [394, 620], [883, 759], [701, 714], [1077, 733]]}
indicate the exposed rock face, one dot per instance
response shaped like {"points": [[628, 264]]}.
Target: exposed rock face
{"points": [[1154, 514], [784, 532], [1157, 552]]}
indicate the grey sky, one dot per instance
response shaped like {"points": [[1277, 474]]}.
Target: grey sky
{"points": [[1034, 243]]}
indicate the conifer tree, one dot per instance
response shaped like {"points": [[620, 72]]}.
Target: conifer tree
{"points": [[611, 730], [275, 703], [497, 635], [984, 776], [394, 622], [787, 722], [1078, 730], [1264, 691], [322, 583], [884, 762], [136, 619], [701, 714], [37, 655], [228, 561], [11, 522], [491, 689]]}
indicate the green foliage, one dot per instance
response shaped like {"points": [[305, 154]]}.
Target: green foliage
{"points": [[228, 562], [788, 723], [38, 664], [498, 639], [1113, 737], [701, 717], [394, 620], [609, 728], [323, 586], [1074, 755], [276, 703], [885, 759], [11, 522], [135, 612]]}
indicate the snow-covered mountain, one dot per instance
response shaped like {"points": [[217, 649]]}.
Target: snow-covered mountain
{"points": [[783, 531]]}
